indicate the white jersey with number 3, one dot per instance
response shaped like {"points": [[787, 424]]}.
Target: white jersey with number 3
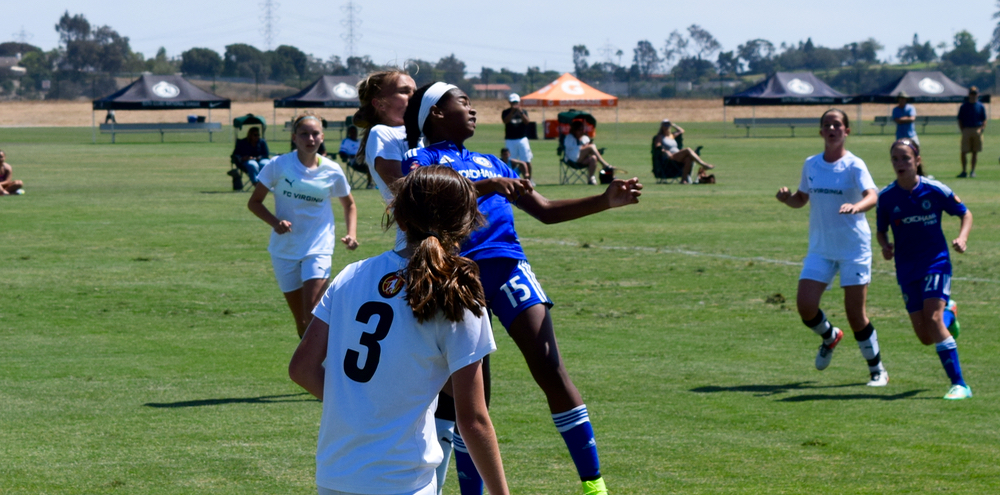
{"points": [[383, 374], [829, 185]]}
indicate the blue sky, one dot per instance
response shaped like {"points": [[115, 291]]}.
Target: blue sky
{"points": [[519, 34]]}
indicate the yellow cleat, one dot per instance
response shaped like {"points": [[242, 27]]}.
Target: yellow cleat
{"points": [[595, 487]]}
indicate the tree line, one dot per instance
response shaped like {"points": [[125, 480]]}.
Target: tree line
{"points": [[89, 57]]}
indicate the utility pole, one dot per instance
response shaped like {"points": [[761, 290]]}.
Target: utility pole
{"points": [[22, 36], [351, 23], [268, 18]]}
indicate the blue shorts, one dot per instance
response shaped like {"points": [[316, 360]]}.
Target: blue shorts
{"points": [[935, 285], [510, 287]]}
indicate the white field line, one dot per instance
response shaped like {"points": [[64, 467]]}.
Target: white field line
{"points": [[688, 252]]}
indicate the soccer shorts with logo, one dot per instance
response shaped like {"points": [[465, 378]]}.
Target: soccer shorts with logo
{"points": [[852, 272], [935, 285], [292, 273], [510, 287]]}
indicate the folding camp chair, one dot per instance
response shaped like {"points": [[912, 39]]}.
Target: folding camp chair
{"points": [[235, 171], [668, 171], [571, 172], [357, 173]]}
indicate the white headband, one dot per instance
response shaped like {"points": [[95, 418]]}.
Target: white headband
{"points": [[431, 97]]}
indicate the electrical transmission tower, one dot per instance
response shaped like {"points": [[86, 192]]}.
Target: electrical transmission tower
{"points": [[352, 24], [22, 36], [268, 18]]}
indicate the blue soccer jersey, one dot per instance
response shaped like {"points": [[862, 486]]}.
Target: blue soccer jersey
{"points": [[497, 239], [915, 219]]}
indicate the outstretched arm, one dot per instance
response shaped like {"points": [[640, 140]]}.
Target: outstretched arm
{"points": [[619, 193], [797, 200]]}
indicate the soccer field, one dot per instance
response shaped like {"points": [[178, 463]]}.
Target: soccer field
{"points": [[144, 343]]}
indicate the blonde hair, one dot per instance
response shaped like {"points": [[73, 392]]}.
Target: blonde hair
{"points": [[369, 88]]}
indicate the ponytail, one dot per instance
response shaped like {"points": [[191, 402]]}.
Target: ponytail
{"points": [[367, 117], [437, 209]]}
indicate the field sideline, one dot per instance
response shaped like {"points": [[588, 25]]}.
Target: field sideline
{"points": [[144, 343]]}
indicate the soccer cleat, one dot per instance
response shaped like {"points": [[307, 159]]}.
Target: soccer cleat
{"points": [[972, 175], [958, 392], [825, 353], [879, 379], [961, 175], [595, 487], [954, 328]]}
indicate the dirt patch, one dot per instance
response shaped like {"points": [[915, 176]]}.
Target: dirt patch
{"points": [[78, 113]]}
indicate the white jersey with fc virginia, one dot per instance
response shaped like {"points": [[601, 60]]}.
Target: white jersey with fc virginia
{"points": [[383, 374], [302, 196], [829, 185]]}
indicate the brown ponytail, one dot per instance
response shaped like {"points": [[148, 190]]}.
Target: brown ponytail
{"points": [[366, 117], [437, 209]]}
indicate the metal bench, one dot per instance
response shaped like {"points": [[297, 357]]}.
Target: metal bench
{"points": [[922, 120], [162, 128], [778, 122]]}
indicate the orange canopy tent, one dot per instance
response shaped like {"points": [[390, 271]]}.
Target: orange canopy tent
{"points": [[568, 91]]}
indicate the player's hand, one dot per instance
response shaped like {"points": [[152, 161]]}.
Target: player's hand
{"points": [[512, 189], [350, 242], [888, 251], [623, 192], [959, 245], [849, 209], [783, 194], [283, 227]]}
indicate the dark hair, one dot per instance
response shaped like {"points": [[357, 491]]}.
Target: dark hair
{"points": [[576, 124], [847, 121], [914, 146], [437, 208], [504, 149], [352, 130], [370, 88], [973, 90], [411, 117]]}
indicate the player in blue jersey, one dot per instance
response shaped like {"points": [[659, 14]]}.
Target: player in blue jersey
{"points": [[392, 331], [443, 114], [837, 185], [912, 207]]}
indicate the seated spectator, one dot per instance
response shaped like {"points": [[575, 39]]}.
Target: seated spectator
{"points": [[7, 185], [110, 117], [580, 150], [519, 166], [252, 154], [349, 145], [665, 142]]}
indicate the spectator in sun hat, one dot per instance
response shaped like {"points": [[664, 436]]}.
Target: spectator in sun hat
{"points": [[515, 134], [972, 122], [905, 115]]}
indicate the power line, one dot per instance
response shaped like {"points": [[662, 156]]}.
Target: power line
{"points": [[269, 18], [22, 36], [351, 34]]}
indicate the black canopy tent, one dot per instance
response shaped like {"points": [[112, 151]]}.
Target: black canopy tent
{"points": [[325, 92], [151, 92], [787, 88], [921, 86]]}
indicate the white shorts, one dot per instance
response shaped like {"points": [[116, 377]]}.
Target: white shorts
{"points": [[852, 272], [519, 149], [430, 489], [292, 273]]}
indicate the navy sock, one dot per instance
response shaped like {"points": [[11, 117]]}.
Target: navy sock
{"points": [[469, 481], [574, 426], [948, 352]]}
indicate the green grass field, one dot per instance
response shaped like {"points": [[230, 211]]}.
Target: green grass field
{"points": [[144, 342]]}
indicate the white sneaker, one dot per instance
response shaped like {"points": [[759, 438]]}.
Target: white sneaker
{"points": [[825, 354], [593, 180], [879, 379], [958, 392]]}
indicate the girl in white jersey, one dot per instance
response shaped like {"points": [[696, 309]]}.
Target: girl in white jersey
{"points": [[392, 330], [384, 96], [301, 243], [841, 191]]}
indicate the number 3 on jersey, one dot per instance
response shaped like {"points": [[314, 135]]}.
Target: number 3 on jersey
{"points": [[365, 373]]}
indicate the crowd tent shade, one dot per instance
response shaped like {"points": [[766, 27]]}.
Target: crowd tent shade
{"points": [[787, 88], [151, 92], [325, 92], [921, 86], [568, 91]]}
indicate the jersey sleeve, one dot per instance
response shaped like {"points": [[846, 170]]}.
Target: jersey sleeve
{"points": [[882, 213], [863, 177], [324, 310], [952, 205], [340, 186], [269, 174], [382, 144], [416, 157], [804, 179], [467, 341]]}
